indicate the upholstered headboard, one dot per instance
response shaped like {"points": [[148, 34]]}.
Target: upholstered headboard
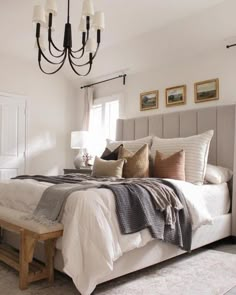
{"points": [[186, 123]]}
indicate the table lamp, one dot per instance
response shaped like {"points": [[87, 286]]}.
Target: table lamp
{"points": [[79, 140]]}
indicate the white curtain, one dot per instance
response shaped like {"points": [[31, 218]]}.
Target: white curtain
{"points": [[88, 102]]}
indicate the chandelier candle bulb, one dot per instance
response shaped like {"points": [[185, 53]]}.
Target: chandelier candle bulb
{"points": [[88, 9], [51, 7], [39, 15], [82, 25], [91, 45], [99, 21]]}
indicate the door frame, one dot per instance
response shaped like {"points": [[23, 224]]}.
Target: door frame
{"points": [[23, 100]]}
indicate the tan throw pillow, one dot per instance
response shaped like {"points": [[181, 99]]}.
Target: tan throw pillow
{"points": [[170, 167], [137, 164], [105, 168]]}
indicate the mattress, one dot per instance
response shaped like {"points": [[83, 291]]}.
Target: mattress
{"points": [[217, 198]]}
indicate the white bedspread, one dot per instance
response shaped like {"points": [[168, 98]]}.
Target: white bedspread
{"points": [[92, 241]]}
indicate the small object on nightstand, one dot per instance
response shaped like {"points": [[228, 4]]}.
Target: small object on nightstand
{"points": [[87, 171]]}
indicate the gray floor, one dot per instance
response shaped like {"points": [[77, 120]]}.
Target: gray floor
{"points": [[225, 245]]}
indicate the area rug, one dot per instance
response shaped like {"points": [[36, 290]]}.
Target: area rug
{"points": [[203, 272]]}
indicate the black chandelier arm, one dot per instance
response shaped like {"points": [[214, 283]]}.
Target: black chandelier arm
{"points": [[81, 48], [95, 53], [81, 65], [45, 57], [73, 63], [50, 33], [72, 66], [77, 57], [50, 50], [76, 51], [85, 38], [50, 73], [51, 41]]}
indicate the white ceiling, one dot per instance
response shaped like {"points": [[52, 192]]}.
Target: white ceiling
{"points": [[138, 32]]}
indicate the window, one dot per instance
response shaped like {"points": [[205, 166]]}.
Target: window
{"points": [[103, 116]]}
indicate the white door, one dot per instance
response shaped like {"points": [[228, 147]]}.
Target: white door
{"points": [[12, 136]]}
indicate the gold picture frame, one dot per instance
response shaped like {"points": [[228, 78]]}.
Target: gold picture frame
{"points": [[149, 100], [176, 95], [206, 90]]}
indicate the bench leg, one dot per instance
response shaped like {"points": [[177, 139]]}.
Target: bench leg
{"points": [[27, 245], [49, 255], [24, 266]]}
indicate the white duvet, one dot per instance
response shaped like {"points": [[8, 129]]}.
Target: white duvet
{"points": [[92, 241]]}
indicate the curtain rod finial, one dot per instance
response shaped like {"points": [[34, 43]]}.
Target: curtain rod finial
{"points": [[124, 79]]}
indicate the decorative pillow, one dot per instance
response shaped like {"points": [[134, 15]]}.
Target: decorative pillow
{"points": [[196, 153], [132, 145], [107, 168], [217, 174], [137, 164], [170, 167], [111, 155]]}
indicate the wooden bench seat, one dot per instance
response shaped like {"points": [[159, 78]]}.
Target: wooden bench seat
{"points": [[30, 233]]}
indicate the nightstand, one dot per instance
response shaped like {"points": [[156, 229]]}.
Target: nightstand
{"points": [[81, 170]]}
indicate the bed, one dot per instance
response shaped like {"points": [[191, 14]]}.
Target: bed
{"points": [[177, 124]]}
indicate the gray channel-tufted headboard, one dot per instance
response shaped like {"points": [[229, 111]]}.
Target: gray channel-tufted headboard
{"points": [[186, 123]]}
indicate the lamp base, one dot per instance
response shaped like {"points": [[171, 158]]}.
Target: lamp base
{"points": [[79, 161]]}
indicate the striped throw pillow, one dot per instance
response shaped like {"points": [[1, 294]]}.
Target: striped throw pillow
{"points": [[196, 153], [131, 145]]}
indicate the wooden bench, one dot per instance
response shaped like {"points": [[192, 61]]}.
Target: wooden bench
{"points": [[30, 233]]}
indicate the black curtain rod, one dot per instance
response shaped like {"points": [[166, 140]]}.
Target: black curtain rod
{"points": [[118, 77], [229, 46]]}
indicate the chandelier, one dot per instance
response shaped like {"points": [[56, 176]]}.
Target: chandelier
{"points": [[91, 23]]}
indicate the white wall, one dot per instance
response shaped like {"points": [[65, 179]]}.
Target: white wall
{"points": [[220, 64], [185, 51], [51, 108]]}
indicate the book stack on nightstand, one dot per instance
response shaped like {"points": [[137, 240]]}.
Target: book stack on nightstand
{"points": [[83, 170]]}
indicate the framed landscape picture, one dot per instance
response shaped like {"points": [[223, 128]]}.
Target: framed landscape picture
{"points": [[149, 100], [206, 90], [176, 95]]}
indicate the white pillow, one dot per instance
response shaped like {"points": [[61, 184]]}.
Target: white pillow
{"points": [[217, 174], [131, 145], [196, 153]]}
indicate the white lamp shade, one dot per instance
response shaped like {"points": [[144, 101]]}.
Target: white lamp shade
{"points": [[99, 21], [39, 15], [41, 43], [51, 7], [91, 45], [88, 9], [82, 25], [79, 139]]}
